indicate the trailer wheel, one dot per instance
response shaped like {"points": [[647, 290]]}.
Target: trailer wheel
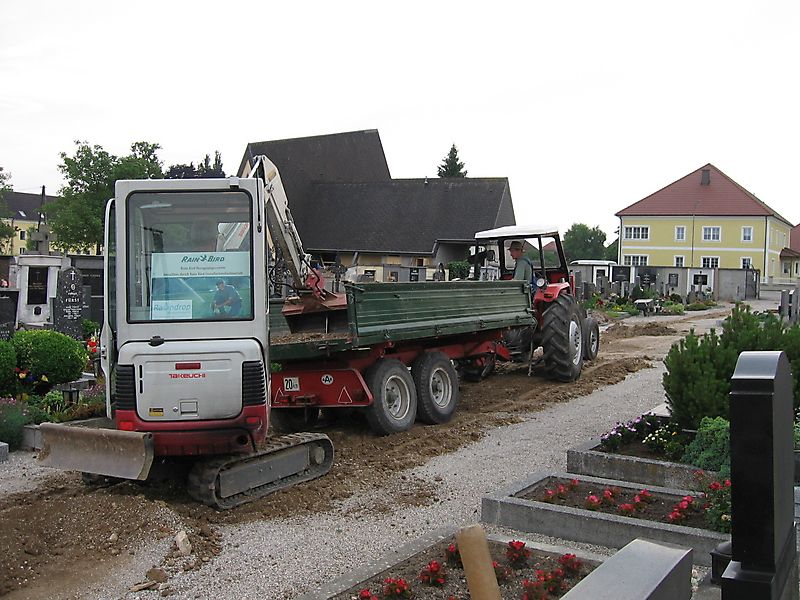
{"points": [[562, 339], [437, 387], [591, 338], [394, 398]]}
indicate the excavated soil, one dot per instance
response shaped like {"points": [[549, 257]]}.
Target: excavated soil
{"points": [[45, 534], [620, 330]]}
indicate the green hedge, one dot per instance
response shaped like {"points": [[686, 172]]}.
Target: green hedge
{"points": [[8, 362], [43, 352], [711, 448], [699, 368]]}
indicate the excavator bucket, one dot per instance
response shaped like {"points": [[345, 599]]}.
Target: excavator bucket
{"points": [[109, 452]]}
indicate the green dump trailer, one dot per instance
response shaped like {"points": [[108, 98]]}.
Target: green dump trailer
{"points": [[430, 327]]}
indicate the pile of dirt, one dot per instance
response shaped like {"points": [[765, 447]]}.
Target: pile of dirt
{"points": [[620, 330]]}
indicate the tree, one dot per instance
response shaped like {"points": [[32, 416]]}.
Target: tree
{"points": [[612, 250], [583, 243], [204, 169], [6, 229], [451, 166], [77, 216]]}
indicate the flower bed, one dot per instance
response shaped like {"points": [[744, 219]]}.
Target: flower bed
{"points": [[514, 508], [430, 569]]}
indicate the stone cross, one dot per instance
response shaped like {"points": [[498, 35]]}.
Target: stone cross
{"points": [[43, 237]]}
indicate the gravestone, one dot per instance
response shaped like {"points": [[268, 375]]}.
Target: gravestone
{"points": [[620, 273], [763, 562], [602, 282], [616, 287], [577, 278], [68, 303], [672, 280], [8, 317], [783, 309]]}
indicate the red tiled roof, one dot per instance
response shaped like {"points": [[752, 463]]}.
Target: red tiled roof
{"points": [[794, 239], [687, 196], [549, 247]]}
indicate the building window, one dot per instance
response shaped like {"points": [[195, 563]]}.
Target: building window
{"points": [[747, 262], [786, 269], [679, 261], [634, 260], [711, 234], [747, 234], [709, 262], [22, 234], [637, 233], [680, 233]]}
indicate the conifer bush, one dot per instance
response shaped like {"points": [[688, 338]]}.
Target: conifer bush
{"points": [[711, 448], [699, 368]]}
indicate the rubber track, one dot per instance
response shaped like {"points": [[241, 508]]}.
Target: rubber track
{"points": [[555, 339], [202, 483]]}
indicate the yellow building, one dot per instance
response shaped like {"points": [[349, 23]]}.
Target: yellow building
{"points": [[706, 220]]}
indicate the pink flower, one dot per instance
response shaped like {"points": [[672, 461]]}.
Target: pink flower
{"points": [[592, 502]]}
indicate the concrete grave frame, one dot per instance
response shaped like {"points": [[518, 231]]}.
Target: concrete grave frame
{"points": [[506, 510], [587, 459], [420, 544]]}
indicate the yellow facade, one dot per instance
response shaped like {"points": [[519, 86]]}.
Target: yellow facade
{"points": [[705, 242]]}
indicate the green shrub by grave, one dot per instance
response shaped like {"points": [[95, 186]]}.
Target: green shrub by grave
{"points": [[699, 369], [8, 362], [711, 448], [459, 269], [697, 306], [697, 381], [57, 357]]}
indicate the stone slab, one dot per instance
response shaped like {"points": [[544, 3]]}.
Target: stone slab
{"points": [[31, 438], [642, 570], [420, 544], [3, 451], [505, 509], [586, 459]]}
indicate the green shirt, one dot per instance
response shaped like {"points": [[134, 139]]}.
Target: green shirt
{"points": [[523, 270]]}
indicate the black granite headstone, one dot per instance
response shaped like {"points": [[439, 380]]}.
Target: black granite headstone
{"points": [[8, 317], [764, 563], [68, 304]]}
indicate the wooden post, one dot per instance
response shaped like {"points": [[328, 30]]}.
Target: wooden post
{"points": [[477, 561]]}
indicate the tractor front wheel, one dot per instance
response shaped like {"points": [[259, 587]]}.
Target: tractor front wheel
{"points": [[562, 339]]}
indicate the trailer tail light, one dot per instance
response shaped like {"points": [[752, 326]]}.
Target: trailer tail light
{"points": [[187, 366], [126, 425], [254, 422]]}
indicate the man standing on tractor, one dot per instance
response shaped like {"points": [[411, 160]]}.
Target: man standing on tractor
{"points": [[523, 269]]}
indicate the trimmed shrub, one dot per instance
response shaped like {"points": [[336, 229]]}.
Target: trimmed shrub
{"points": [[697, 306], [699, 369], [697, 381], [711, 448], [8, 361], [50, 353], [459, 269]]}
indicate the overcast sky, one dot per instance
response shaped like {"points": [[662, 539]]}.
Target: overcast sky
{"points": [[586, 107]]}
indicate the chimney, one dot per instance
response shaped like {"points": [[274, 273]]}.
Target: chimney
{"points": [[705, 177]]}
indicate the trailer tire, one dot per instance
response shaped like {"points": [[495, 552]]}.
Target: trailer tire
{"points": [[436, 381], [394, 397], [562, 335], [591, 338]]}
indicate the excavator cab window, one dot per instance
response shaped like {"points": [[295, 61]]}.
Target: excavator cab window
{"points": [[180, 246]]}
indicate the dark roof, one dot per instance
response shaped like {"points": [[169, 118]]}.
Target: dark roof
{"points": [[25, 206], [722, 196], [794, 238], [405, 216]]}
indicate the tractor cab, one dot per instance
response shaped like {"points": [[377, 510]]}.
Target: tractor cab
{"points": [[541, 247]]}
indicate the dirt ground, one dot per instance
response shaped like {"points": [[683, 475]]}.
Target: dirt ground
{"points": [[46, 539]]}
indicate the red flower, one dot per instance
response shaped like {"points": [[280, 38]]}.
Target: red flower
{"points": [[592, 502], [570, 564], [561, 491], [549, 496], [675, 517], [626, 509], [683, 505], [573, 483], [727, 483], [366, 595], [396, 588], [646, 496], [715, 486], [433, 574], [517, 554]]}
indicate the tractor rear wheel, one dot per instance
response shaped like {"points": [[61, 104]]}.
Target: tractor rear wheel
{"points": [[591, 338], [394, 398], [437, 387], [562, 339]]}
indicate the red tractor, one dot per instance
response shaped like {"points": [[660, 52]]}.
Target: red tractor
{"points": [[562, 329]]}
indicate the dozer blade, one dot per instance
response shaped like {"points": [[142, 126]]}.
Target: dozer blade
{"points": [[109, 452]]}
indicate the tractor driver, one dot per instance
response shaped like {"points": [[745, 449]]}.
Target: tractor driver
{"points": [[226, 295], [523, 268]]}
